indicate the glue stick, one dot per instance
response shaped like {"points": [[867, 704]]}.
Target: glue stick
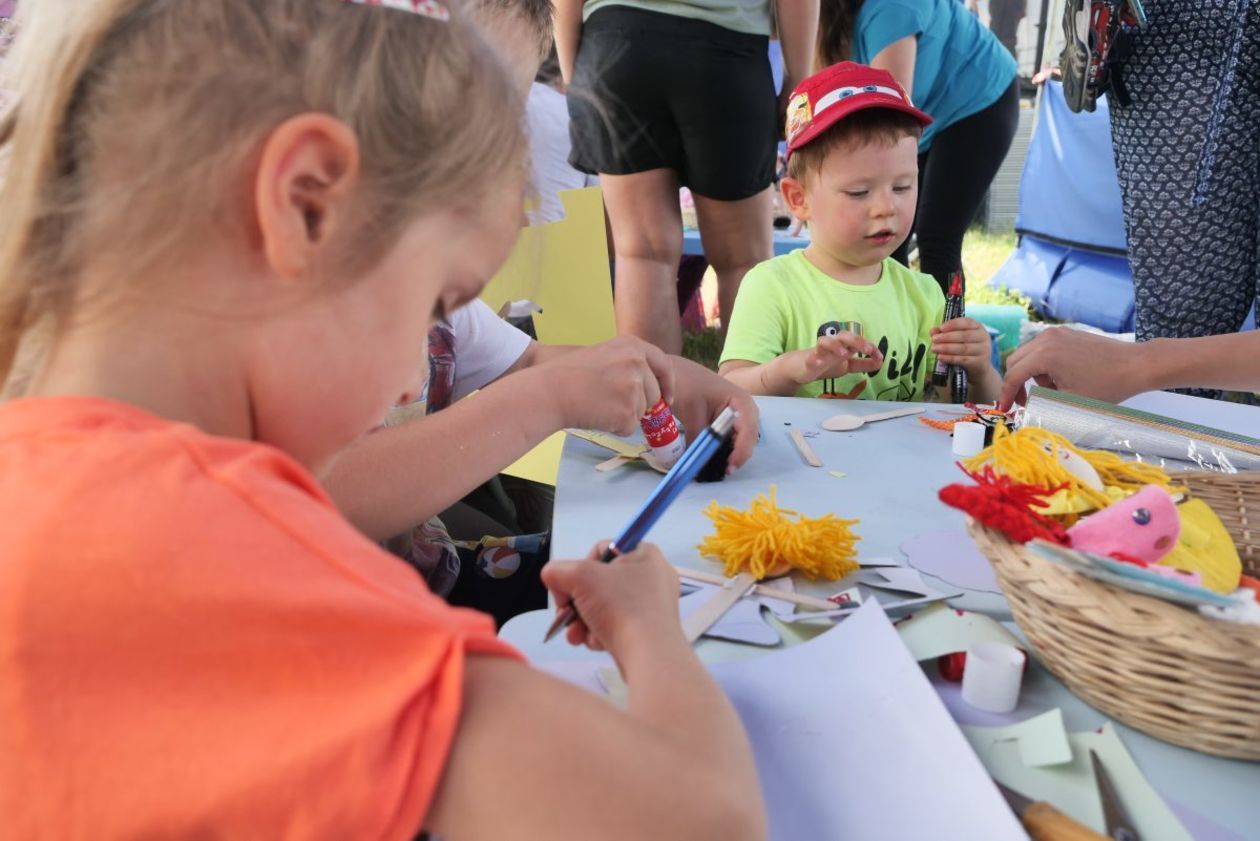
{"points": [[663, 435]]}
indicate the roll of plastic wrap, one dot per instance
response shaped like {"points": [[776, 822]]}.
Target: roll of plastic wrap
{"points": [[992, 676], [1171, 443]]}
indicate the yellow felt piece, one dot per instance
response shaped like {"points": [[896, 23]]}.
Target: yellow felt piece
{"points": [[563, 267], [1205, 547], [541, 464]]}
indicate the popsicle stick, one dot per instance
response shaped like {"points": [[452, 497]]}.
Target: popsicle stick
{"points": [[612, 464], [806, 451], [703, 617], [761, 590]]}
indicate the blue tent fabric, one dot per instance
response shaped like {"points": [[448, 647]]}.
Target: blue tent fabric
{"points": [[1071, 260], [1069, 192]]}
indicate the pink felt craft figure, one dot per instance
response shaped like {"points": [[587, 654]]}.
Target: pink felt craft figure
{"points": [[1144, 527]]}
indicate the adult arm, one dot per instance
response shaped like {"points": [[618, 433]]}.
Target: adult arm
{"points": [[798, 38], [1107, 369], [898, 58], [568, 30]]}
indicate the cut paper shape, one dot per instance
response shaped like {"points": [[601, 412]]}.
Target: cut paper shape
{"points": [[852, 697], [1042, 740], [837, 474], [743, 622], [951, 556], [777, 606], [938, 630], [878, 562], [1071, 788], [541, 464], [897, 579]]}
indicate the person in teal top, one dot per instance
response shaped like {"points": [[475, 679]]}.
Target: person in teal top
{"points": [[959, 73], [852, 140]]}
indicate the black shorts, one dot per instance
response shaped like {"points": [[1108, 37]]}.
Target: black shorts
{"points": [[654, 91]]}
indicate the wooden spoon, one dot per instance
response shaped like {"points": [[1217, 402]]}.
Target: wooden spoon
{"points": [[848, 423]]}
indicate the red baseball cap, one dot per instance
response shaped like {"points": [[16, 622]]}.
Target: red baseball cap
{"points": [[835, 92]]}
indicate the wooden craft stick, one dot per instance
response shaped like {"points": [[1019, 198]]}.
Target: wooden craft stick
{"points": [[612, 464], [806, 451], [703, 617], [761, 589]]}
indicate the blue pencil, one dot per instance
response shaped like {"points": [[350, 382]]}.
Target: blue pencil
{"points": [[693, 459]]}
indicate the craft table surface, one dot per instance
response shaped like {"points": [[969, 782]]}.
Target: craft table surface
{"points": [[893, 470]]}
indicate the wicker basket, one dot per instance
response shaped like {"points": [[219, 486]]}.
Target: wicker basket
{"points": [[1150, 664]]}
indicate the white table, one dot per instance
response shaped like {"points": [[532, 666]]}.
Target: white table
{"points": [[893, 471]]}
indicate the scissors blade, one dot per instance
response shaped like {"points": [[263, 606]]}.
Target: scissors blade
{"points": [[1119, 827]]}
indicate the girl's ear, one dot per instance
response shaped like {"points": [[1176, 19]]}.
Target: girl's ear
{"points": [[794, 197], [305, 180]]}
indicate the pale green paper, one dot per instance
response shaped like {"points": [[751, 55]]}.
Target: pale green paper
{"points": [[1041, 740], [940, 629], [1070, 786]]}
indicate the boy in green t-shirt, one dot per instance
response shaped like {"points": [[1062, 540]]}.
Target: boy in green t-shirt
{"points": [[853, 177]]}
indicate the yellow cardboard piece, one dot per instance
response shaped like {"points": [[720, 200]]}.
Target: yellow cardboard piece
{"points": [[1205, 547], [563, 267], [541, 464]]}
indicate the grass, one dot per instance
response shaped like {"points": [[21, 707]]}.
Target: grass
{"points": [[983, 254]]}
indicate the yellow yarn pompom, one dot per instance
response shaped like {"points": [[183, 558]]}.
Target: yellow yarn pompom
{"points": [[1030, 455], [763, 539]]}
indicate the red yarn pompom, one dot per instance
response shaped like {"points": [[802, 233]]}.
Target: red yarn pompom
{"points": [[1006, 505]]}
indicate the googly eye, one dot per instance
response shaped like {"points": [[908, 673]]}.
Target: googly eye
{"points": [[1142, 516]]}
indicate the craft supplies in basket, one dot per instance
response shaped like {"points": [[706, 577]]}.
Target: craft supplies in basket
{"points": [[1154, 665]]}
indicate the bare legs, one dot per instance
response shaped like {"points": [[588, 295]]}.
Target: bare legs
{"points": [[647, 235]]}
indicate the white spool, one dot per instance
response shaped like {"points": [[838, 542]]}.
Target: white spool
{"points": [[968, 438], [992, 676]]}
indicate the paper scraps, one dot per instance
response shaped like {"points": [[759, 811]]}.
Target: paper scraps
{"points": [[938, 630], [951, 556]]}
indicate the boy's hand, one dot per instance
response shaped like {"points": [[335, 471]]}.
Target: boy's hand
{"points": [[631, 601], [833, 357], [964, 342]]}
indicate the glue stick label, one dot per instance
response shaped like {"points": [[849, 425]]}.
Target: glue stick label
{"points": [[662, 434]]}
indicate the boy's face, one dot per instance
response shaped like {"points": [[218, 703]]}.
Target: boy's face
{"points": [[860, 203]]}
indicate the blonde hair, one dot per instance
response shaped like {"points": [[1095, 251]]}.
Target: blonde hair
{"points": [[132, 123]]}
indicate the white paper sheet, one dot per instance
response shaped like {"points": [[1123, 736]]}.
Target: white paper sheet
{"points": [[851, 741]]}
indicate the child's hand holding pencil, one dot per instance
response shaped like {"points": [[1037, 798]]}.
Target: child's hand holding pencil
{"points": [[631, 602]]}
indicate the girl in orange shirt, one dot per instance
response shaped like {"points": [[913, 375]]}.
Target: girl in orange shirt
{"points": [[213, 214]]}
